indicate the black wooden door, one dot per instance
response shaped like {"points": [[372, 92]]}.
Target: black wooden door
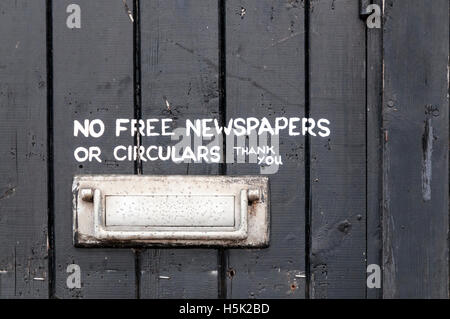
{"points": [[375, 192]]}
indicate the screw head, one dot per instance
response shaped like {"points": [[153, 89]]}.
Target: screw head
{"points": [[87, 194], [254, 194]]}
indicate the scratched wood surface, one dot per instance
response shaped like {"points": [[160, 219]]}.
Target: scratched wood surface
{"points": [[93, 78], [338, 171], [265, 78], [179, 81], [23, 155], [416, 139], [374, 192]]}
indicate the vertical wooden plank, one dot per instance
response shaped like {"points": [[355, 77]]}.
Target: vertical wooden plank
{"points": [[179, 52], [23, 144], [374, 149], [93, 78], [416, 119], [338, 164], [265, 78]]}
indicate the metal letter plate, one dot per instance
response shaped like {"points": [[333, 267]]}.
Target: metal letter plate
{"points": [[137, 210]]}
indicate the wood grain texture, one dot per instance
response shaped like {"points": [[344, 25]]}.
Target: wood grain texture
{"points": [[415, 159], [265, 78], [179, 52], [23, 144], [374, 149], [93, 78], [338, 163]]}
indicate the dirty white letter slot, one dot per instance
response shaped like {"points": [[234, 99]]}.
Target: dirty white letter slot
{"points": [[132, 210]]}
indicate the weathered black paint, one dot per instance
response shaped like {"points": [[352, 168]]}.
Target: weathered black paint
{"points": [[92, 78], [179, 81], [416, 141], [338, 172], [375, 192], [23, 154], [374, 82], [265, 77]]}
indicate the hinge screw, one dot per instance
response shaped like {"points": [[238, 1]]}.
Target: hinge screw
{"points": [[254, 194], [87, 194]]}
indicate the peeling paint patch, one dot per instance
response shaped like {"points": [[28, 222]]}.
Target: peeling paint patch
{"points": [[241, 12], [167, 103], [127, 10], [427, 149], [8, 193]]}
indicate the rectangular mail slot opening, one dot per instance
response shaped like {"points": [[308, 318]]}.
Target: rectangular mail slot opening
{"points": [[170, 211], [128, 210]]}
